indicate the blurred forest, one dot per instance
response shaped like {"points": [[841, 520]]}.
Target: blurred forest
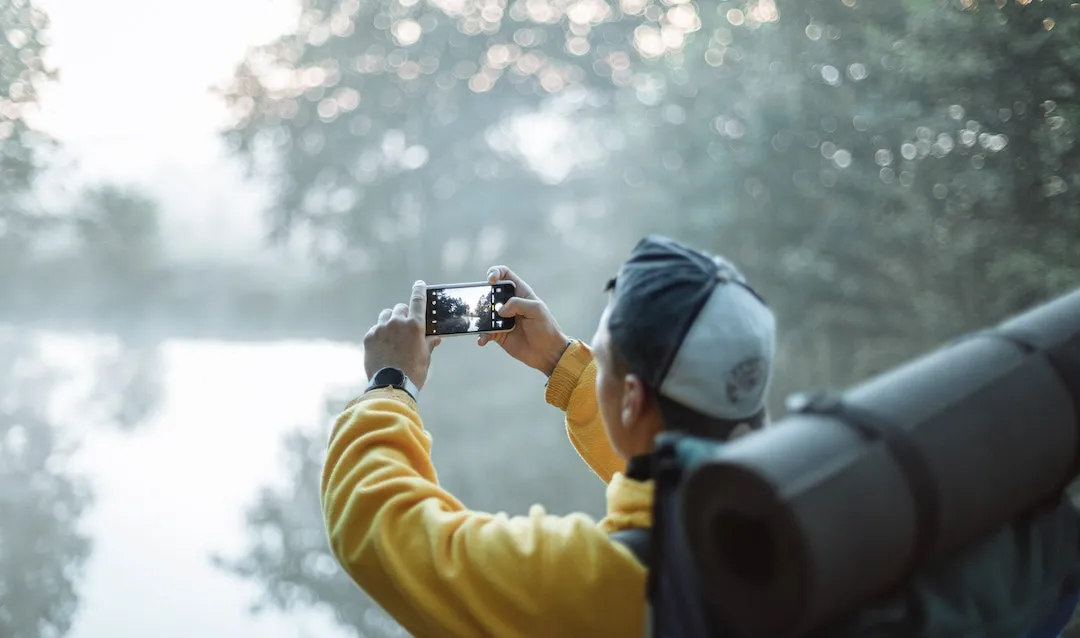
{"points": [[888, 174]]}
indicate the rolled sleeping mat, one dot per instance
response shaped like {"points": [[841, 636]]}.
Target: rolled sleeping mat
{"points": [[841, 502]]}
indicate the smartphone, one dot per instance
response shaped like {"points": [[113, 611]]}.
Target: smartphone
{"points": [[472, 308]]}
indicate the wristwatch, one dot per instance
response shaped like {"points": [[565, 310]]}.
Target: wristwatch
{"points": [[394, 378]]}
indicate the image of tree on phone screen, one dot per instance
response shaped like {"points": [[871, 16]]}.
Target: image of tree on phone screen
{"points": [[458, 310], [483, 311], [450, 312]]}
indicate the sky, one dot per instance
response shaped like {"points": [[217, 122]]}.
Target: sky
{"points": [[133, 106]]}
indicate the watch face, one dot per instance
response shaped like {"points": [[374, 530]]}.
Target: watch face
{"points": [[389, 376]]}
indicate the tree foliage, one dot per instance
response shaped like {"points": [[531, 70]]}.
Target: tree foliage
{"points": [[380, 122], [23, 150], [42, 550], [889, 174]]}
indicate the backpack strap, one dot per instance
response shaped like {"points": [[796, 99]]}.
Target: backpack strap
{"points": [[638, 540]]}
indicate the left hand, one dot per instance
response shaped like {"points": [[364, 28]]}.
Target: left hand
{"points": [[397, 340], [536, 340]]}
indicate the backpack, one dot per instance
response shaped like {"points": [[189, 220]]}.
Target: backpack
{"points": [[1021, 581]]}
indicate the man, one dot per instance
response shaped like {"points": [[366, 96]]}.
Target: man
{"points": [[684, 343]]}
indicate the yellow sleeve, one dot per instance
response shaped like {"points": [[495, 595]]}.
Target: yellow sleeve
{"points": [[572, 389], [441, 570]]}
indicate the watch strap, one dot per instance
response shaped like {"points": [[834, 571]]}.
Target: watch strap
{"points": [[406, 384]]}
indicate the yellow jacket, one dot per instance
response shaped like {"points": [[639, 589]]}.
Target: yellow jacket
{"points": [[442, 570]]}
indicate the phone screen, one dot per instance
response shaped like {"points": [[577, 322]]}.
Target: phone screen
{"points": [[464, 308]]}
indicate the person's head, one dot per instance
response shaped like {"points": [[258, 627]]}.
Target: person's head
{"points": [[684, 344]]}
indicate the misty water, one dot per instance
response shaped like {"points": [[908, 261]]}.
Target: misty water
{"points": [[175, 491]]}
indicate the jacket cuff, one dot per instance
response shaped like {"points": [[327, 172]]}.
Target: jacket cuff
{"points": [[567, 374], [384, 393]]}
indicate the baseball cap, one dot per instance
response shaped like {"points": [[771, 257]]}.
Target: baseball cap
{"points": [[689, 325]]}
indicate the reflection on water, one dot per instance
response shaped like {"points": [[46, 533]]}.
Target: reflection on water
{"points": [[42, 549], [174, 492], [186, 522]]}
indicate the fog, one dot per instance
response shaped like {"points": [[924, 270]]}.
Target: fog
{"points": [[205, 205]]}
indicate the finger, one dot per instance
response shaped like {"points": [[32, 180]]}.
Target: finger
{"points": [[384, 316], [434, 343], [401, 311], [418, 301], [520, 307], [502, 273], [498, 338]]}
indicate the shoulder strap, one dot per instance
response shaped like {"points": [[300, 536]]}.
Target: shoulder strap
{"points": [[638, 540]]}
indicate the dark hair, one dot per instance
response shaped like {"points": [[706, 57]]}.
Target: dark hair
{"points": [[679, 418]]}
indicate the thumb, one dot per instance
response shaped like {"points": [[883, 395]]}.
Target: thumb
{"points": [[417, 305], [521, 307]]}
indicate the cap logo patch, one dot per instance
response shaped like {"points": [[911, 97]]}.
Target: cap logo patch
{"points": [[744, 379]]}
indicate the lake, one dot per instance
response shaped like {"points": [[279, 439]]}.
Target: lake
{"points": [[175, 490]]}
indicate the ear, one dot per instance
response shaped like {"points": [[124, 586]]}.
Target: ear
{"points": [[635, 400]]}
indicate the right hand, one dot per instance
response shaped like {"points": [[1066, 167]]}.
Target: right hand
{"points": [[536, 340], [397, 340]]}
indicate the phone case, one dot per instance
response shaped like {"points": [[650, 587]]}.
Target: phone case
{"points": [[453, 316]]}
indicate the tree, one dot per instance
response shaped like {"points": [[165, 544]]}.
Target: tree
{"points": [[483, 310], [387, 125], [882, 198], [40, 504], [449, 310], [22, 149], [110, 266], [118, 243]]}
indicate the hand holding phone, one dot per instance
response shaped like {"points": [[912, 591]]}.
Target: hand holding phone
{"points": [[538, 342], [397, 340], [470, 308]]}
